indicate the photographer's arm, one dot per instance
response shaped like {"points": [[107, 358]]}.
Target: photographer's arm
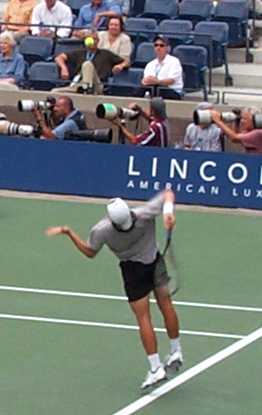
{"points": [[230, 133], [130, 136], [46, 131]]}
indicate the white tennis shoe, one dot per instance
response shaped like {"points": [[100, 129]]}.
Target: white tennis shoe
{"points": [[174, 360], [154, 377]]}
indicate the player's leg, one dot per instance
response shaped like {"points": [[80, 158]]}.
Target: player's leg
{"points": [[138, 284], [174, 358], [141, 310]]}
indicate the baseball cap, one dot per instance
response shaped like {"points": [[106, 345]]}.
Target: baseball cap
{"points": [[162, 38], [119, 214], [159, 106]]}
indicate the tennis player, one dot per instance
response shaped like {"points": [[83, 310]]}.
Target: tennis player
{"points": [[130, 235]]}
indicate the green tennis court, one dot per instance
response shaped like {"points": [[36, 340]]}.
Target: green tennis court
{"points": [[69, 344]]}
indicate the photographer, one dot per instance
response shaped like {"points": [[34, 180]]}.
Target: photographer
{"points": [[250, 135], [157, 134], [205, 136], [68, 119]]}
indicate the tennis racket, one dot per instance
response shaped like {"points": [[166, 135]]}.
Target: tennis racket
{"points": [[171, 264]]}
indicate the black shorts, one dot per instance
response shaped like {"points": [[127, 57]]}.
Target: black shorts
{"points": [[140, 279]]}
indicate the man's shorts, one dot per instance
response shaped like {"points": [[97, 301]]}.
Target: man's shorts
{"points": [[140, 279]]}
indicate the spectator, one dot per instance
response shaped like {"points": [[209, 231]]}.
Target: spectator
{"points": [[12, 64], [250, 136], [70, 119], [203, 137], [51, 12], [165, 70], [92, 16], [90, 68], [18, 11], [125, 6], [115, 39], [157, 134]]}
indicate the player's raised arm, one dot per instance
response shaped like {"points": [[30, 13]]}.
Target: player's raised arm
{"points": [[81, 245], [169, 218]]}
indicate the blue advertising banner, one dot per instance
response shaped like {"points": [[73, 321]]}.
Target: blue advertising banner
{"points": [[104, 170]]}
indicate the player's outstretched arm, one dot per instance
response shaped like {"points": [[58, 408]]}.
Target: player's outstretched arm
{"points": [[81, 245]]}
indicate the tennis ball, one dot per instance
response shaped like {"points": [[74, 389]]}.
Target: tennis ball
{"points": [[89, 41]]}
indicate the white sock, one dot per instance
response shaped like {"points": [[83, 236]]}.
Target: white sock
{"points": [[175, 345], [154, 361]]}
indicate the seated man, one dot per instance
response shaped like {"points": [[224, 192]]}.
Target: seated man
{"points": [[69, 119], [92, 16], [91, 67], [203, 137], [157, 134], [165, 70], [51, 12], [18, 11]]}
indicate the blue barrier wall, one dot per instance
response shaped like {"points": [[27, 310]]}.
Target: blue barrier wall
{"points": [[215, 179]]}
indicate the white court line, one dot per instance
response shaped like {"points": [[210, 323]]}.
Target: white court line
{"points": [[112, 325], [190, 373], [123, 298]]}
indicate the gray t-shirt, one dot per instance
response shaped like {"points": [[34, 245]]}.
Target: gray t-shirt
{"points": [[139, 244]]}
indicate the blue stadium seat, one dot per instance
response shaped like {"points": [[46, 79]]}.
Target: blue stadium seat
{"points": [[140, 29], [215, 41], [144, 54], [76, 5], [194, 62], [36, 48], [44, 76], [160, 9], [136, 7], [126, 83], [67, 45], [195, 10], [235, 14], [177, 31]]}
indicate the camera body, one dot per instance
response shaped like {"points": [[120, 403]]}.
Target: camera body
{"points": [[28, 105], [110, 112]]}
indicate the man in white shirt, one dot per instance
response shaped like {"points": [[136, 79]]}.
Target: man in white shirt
{"points": [[51, 12], [165, 70]]}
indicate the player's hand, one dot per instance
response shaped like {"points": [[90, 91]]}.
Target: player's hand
{"points": [[56, 230], [169, 220]]}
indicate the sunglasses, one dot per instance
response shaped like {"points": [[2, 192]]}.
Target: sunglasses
{"points": [[159, 45]]}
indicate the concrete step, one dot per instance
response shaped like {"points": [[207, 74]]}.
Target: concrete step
{"points": [[245, 75], [238, 55]]}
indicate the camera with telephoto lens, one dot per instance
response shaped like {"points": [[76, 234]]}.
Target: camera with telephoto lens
{"points": [[98, 135], [27, 105], [205, 117], [110, 112], [11, 128]]}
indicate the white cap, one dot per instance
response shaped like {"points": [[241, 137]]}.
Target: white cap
{"points": [[119, 213]]}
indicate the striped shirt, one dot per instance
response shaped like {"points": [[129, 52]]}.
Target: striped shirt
{"points": [[157, 134]]}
